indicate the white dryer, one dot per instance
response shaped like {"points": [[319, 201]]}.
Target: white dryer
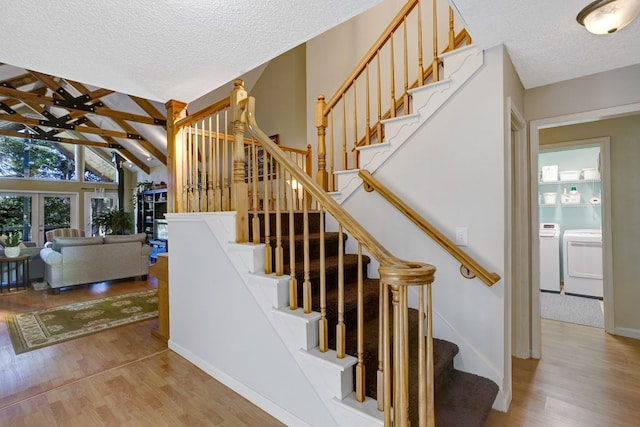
{"points": [[549, 257], [582, 262]]}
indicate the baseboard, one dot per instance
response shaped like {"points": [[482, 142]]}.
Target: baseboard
{"points": [[627, 332], [249, 394]]}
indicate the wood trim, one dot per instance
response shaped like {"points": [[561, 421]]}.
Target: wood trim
{"points": [[464, 258]]}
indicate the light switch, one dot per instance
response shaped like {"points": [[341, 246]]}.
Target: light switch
{"points": [[462, 236]]}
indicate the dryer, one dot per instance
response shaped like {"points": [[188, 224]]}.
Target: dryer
{"points": [[549, 234], [582, 262]]}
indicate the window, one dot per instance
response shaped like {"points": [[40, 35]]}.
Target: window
{"points": [[28, 158], [97, 168]]}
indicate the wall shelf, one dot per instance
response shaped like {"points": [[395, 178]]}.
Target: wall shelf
{"points": [[151, 205]]}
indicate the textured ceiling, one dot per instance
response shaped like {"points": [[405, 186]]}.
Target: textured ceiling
{"points": [[544, 40], [161, 50]]}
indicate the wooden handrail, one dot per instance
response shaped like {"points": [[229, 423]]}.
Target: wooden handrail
{"points": [[370, 184], [399, 104], [396, 276], [365, 126], [397, 21], [205, 112]]}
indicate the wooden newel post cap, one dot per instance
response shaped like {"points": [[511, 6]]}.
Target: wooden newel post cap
{"points": [[407, 274]]}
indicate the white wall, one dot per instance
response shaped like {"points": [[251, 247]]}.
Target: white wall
{"points": [[217, 324], [451, 171]]}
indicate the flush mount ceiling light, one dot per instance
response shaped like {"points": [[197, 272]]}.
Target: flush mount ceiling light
{"points": [[608, 16]]}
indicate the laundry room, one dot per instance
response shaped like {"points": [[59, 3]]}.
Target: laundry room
{"points": [[570, 224]]}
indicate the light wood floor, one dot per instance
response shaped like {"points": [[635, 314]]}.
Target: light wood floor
{"points": [[119, 377], [125, 377]]}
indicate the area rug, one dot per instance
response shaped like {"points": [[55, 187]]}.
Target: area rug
{"points": [[572, 309], [37, 329]]}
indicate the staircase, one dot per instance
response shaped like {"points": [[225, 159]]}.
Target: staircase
{"points": [[462, 399]]}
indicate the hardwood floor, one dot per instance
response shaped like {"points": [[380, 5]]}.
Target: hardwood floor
{"points": [[119, 377], [585, 378], [125, 377]]}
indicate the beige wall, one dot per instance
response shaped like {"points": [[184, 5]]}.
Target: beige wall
{"points": [[280, 95], [595, 92], [624, 133]]}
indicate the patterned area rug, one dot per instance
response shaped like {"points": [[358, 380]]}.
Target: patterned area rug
{"points": [[37, 329]]}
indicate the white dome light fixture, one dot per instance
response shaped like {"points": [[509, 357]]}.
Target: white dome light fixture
{"points": [[608, 16]]}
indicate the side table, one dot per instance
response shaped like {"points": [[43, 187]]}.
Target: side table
{"points": [[14, 273]]}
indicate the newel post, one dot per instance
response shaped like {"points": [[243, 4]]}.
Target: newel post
{"points": [[396, 280], [240, 189], [176, 111], [322, 178]]}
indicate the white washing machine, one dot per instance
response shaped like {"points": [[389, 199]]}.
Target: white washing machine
{"points": [[582, 262], [549, 257]]}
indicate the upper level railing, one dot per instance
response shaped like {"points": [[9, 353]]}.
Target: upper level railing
{"points": [[470, 267], [379, 87], [204, 155]]}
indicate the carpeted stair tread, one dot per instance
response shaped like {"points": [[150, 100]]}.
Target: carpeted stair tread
{"points": [[350, 263], [466, 400], [462, 399]]}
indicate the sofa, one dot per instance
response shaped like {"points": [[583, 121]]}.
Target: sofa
{"points": [[79, 260]]}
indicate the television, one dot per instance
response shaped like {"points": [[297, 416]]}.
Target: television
{"points": [[160, 229]]}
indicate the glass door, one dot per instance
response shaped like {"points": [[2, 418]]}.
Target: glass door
{"points": [[15, 211], [56, 212], [33, 214]]}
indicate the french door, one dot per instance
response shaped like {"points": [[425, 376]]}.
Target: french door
{"points": [[33, 214]]}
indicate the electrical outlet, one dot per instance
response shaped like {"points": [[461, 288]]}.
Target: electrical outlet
{"points": [[462, 236]]}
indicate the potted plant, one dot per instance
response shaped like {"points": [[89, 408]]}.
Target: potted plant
{"points": [[11, 244], [116, 221]]}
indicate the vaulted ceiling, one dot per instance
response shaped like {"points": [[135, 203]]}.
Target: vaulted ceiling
{"points": [[44, 107], [154, 51]]}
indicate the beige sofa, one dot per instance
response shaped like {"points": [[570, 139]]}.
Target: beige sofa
{"points": [[78, 260]]}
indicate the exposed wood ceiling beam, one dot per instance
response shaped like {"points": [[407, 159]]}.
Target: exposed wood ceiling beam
{"points": [[17, 118], [21, 80], [79, 108], [148, 107], [131, 132], [103, 111], [58, 139], [130, 129]]}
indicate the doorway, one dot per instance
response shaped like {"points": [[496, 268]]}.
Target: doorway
{"points": [[536, 127], [570, 194], [33, 214]]}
